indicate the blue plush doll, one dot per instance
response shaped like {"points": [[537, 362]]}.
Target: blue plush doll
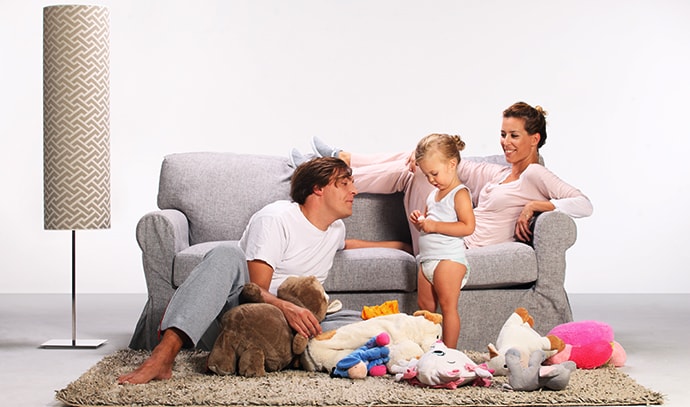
{"points": [[371, 359]]}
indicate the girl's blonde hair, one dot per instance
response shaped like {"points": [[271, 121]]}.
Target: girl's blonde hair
{"points": [[449, 146]]}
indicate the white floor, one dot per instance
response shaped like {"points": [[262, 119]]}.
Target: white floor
{"points": [[653, 329]]}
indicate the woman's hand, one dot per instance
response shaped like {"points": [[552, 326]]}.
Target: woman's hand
{"points": [[522, 226], [523, 231]]}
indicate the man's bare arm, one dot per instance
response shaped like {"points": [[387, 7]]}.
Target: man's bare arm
{"points": [[391, 244], [300, 319]]}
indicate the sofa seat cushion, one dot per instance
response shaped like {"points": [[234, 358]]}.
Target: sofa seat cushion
{"points": [[500, 266], [372, 269], [503, 265], [356, 270]]}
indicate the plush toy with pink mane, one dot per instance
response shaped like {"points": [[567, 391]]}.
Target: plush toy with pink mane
{"points": [[442, 367], [589, 344]]}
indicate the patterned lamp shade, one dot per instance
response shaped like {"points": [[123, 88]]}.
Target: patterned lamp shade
{"points": [[76, 117]]}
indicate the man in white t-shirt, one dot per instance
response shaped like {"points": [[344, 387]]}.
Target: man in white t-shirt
{"points": [[298, 237]]}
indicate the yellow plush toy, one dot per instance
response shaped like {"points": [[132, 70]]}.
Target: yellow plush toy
{"points": [[517, 333], [387, 308]]}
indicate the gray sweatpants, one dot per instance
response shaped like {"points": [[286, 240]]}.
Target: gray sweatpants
{"points": [[212, 288]]}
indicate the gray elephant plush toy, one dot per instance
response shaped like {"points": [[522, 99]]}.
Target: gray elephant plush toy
{"points": [[536, 376]]}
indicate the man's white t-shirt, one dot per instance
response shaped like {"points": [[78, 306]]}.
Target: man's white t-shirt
{"points": [[280, 235]]}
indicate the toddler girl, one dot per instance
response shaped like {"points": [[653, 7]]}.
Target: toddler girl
{"points": [[447, 218]]}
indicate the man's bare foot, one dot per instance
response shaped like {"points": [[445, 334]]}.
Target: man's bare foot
{"points": [[159, 365], [151, 369]]}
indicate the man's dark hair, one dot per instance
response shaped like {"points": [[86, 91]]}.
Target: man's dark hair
{"points": [[316, 173]]}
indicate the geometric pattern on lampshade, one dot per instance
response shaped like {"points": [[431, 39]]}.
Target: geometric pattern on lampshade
{"points": [[76, 117]]}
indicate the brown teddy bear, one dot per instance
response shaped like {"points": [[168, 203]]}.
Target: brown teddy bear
{"points": [[256, 337]]}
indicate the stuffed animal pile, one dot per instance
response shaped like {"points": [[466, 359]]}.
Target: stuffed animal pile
{"points": [[534, 362], [256, 339], [410, 337]]}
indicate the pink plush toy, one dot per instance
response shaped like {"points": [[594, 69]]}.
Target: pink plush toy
{"points": [[589, 344]]}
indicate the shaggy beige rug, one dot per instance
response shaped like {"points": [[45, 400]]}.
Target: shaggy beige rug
{"points": [[191, 386]]}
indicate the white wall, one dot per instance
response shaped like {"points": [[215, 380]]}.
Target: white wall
{"points": [[262, 76]]}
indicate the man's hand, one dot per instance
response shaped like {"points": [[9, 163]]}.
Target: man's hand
{"points": [[301, 319]]}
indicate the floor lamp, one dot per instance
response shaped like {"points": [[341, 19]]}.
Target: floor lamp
{"points": [[76, 129]]}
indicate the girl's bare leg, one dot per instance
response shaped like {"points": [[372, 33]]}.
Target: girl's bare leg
{"points": [[426, 299], [447, 281]]}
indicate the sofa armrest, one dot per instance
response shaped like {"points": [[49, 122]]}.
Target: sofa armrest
{"points": [[554, 230], [161, 235], [554, 233]]}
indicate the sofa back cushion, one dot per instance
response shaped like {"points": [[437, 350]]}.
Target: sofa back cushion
{"points": [[219, 192], [378, 217]]}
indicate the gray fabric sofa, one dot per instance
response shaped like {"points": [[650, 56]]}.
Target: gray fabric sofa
{"points": [[207, 198]]}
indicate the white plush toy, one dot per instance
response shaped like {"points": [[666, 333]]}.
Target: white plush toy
{"points": [[442, 367], [410, 337], [517, 333]]}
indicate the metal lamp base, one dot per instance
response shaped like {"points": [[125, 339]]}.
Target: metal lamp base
{"points": [[73, 343], [69, 343]]}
